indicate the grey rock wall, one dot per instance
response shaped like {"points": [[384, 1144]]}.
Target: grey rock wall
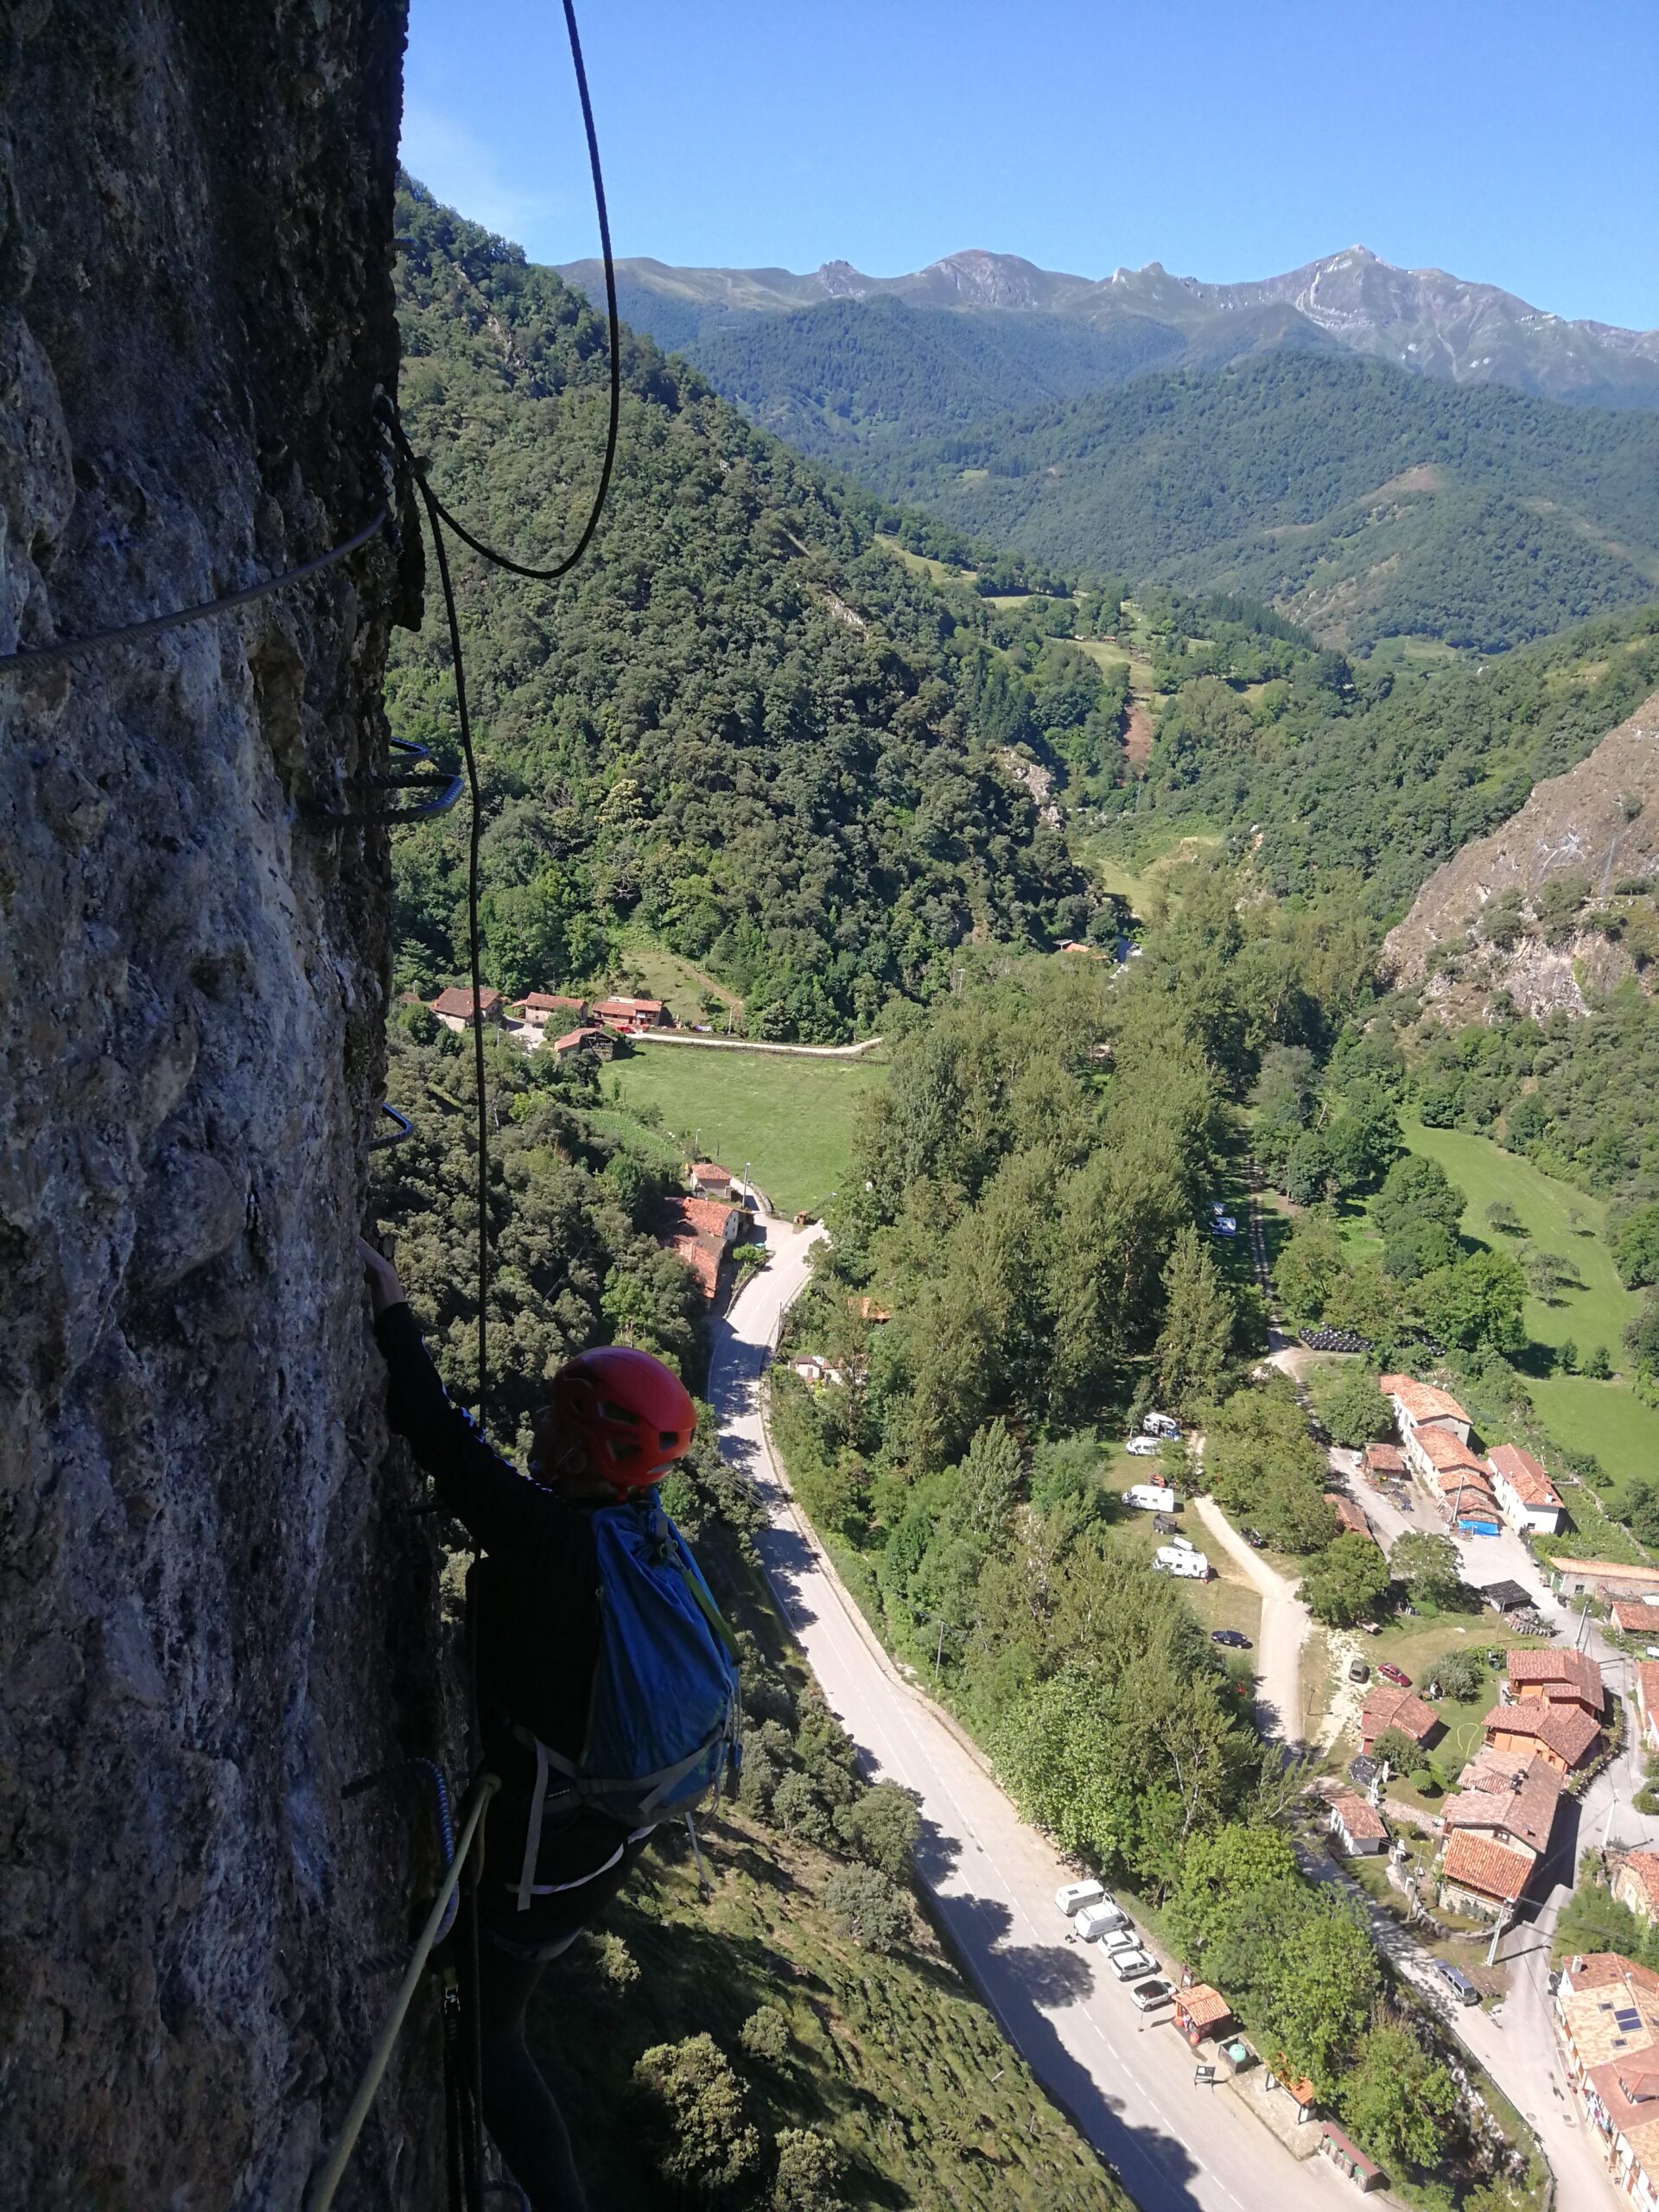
{"points": [[216, 1608]]}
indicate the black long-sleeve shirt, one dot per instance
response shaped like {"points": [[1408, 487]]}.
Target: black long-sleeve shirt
{"points": [[535, 1600]]}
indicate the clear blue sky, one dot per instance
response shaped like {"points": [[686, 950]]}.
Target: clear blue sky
{"points": [[1506, 140]]}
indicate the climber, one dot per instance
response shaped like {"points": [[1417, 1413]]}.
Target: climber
{"points": [[604, 1680]]}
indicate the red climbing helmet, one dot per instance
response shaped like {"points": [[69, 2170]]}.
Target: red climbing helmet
{"points": [[633, 1416]]}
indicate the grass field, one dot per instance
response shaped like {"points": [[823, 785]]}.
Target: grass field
{"points": [[645, 970], [1228, 1601], [1141, 873], [1606, 1419], [789, 1119]]}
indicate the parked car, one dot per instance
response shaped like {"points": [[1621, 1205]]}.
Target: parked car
{"points": [[1095, 1920], [1143, 1447], [1071, 1896], [1225, 1225], [1234, 1638], [1255, 1539], [1457, 1982], [1147, 1996], [1120, 1939], [1129, 1966], [1390, 1673], [1359, 1672]]}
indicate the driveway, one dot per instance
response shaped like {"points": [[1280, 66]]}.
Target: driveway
{"points": [[1129, 2087], [1285, 1627]]}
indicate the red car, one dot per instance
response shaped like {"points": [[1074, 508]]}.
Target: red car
{"points": [[1390, 1673]]}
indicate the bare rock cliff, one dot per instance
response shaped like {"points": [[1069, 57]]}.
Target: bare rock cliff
{"points": [[1593, 837], [216, 1608]]}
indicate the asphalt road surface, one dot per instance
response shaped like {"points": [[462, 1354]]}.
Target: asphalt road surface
{"points": [[1128, 2085]]}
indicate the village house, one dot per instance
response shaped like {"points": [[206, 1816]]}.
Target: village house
{"points": [[1421, 1407], [1351, 1516], [1481, 1877], [1527, 1498], [600, 1042], [1646, 1702], [1634, 1617], [1496, 1828], [1564, 1735], [709, 1180], [1359, 1828], [539, 1011], [1635, 1883], [1607, 2010], [1387, 1706], [454, 1008], [632, 1014], [815, 1371], [702, 1233], [1385, 1463], [1603, 1578], [1563, 1677], [1451, 1471]]}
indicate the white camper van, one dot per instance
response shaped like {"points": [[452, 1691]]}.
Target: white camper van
{"points": [[1151, 1497], [1071, 1896], [1160, 1425], [1174, 1558]]}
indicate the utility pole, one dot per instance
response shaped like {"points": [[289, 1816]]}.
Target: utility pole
{"points": [[1504, 1913]]}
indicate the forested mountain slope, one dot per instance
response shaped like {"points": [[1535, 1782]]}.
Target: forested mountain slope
{"points": [[1379, 772], [737, 724], [1360, 500]]}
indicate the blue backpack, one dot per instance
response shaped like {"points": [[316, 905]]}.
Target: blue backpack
{"points": [[663, 1721]]}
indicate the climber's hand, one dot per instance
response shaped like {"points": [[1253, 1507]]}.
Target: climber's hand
{"points": [[385, 1289]]}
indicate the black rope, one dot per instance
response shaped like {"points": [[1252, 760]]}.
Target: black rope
{"points": [[474, 962], [40, 656], [564, 566]]}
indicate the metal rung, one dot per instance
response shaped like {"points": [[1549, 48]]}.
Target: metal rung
{"points": [[405, 1128], [415, 771]]}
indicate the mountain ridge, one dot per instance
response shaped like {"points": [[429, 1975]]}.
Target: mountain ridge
{"points": [[1425, 319]]}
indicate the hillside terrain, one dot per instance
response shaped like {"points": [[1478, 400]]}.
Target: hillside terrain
{"points": [[1419, 319], [1550, 908], [1359, 500], [736, 728]]}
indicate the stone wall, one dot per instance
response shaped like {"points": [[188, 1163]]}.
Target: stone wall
{"points": [[216, 1607]]}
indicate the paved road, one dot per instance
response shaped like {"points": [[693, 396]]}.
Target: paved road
{"points": [[1177, 2147], [1285, 1626], [751, 1044]]}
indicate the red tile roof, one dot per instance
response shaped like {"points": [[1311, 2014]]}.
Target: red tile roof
{"points": [[1358, 1815], [626, 1009], [575, 1037], [1524, 1475], [1389, 1706], [1204, 2006], [1449, 1457], [1605, 1570], [459, 1002], [1421, 1401], [544, 1002], [708, 1216], [1351, 1516], [1636, 1618], [1488, 1797], [1475, 1863], [1572, 1673], [1602, 1969], [1646, 1685], [1564, 1729], [1385, 1458]]}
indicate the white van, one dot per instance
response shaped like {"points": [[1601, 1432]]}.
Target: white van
{"points": [[1170, 1559], [1151, 1497], [1071, 1896], [1160, 1425], [1143, 1447], [1096, 1920]]}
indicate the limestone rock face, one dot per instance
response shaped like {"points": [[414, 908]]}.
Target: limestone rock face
{"points": [[216, 1608]]}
